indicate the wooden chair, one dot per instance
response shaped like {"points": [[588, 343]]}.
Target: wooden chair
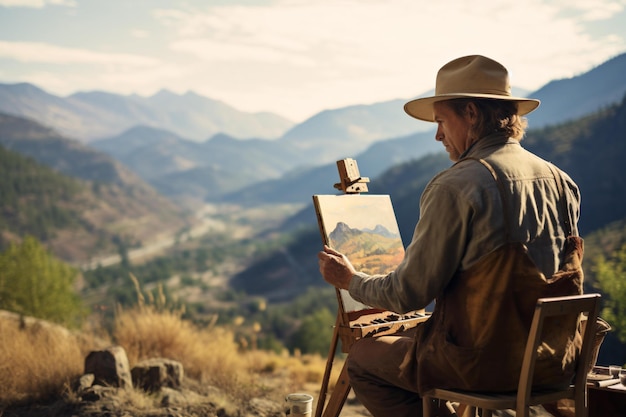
{"points": [[525, 396]]}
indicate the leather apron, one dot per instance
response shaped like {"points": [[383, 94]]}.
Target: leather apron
{"points": [[476, 336]]}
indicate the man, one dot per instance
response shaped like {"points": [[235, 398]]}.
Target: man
{"points": [[492, 230]]}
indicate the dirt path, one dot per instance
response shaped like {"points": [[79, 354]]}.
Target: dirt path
{"points": [[211, 218]]}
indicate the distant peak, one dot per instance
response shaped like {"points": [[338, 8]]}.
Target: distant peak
{"points": [[23, 86], [164, 92]]}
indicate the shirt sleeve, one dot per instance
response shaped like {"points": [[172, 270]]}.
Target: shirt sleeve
{"points": [[431, 259]]}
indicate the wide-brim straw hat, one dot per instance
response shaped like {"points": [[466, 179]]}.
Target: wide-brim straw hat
{"points": [[472, 76]]}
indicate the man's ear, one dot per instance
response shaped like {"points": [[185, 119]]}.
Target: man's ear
{"points": [[471, 110]]}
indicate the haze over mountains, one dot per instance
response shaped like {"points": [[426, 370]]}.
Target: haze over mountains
{"points": [[92, 115], [189, 145], [158, 145]]}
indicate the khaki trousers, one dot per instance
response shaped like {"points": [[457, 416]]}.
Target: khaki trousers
{"points": [[374, 371]]}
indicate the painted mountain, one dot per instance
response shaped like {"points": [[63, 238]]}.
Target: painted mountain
{"points": [[374, 251]]}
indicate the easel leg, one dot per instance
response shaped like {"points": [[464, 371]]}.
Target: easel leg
{"points": [[339, 395], [321, 401]]}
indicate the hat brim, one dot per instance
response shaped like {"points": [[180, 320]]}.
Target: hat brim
{"points": [[422, 108]]}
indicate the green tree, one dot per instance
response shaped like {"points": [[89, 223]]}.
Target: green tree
{"points": [[315, 333], [34, 283], [610, 277]]}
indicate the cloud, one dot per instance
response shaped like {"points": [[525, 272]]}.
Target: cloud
{"points": [[37, 52], [297, 57], [594, 11], [393, 41], [139, 33], [37, 4]]}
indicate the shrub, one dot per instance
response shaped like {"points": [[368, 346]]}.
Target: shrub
{"points": [[34, 283]]}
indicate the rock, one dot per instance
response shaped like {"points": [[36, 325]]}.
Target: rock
{"points": [[84, 382], [156, 373], [110, 367]]}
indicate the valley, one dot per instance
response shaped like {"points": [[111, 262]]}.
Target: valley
{"points": [[236, 221], [224, 240]]}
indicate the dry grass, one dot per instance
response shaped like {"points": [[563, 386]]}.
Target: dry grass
{"points": [[40, 361], [210, 354]]}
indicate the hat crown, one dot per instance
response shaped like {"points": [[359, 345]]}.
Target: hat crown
{"points": [[474, 74]]}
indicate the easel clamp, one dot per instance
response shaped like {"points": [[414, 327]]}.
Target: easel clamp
{"points": [[351, 180]]}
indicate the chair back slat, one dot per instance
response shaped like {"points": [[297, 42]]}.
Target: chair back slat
{"points": [[551, 307]]}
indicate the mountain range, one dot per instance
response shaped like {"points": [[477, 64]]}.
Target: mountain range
{"points": [[91, 115], [289, 165], [189, 146]]}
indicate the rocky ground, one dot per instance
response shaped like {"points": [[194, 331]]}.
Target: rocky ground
{"points": [[191, 400]]}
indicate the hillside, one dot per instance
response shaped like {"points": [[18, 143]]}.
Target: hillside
{"points": [[80, 203], [298, 185], [32, 197], [352, 129], [572, 98], [591, 150], [181, 168], [63, 154]]}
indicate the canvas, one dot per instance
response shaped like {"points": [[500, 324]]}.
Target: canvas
{"points": [[364, 228]]}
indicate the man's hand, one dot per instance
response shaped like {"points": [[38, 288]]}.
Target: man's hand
{"points": [[335, 268]]}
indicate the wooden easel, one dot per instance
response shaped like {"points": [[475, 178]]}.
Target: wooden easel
{"points": [[353, 325]]}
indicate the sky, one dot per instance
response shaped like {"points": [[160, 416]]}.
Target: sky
{"points": [[296, 58]]}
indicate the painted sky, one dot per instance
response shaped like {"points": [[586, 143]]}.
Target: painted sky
{"points": [[297, 57], [361, 212]]}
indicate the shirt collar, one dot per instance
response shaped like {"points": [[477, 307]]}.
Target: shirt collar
{"points": [[494, 139]]}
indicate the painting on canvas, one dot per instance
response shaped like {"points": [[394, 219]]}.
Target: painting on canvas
{"points": [[364, 228]]}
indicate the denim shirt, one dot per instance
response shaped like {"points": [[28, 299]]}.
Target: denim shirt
{"points": [[462, 219]]}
